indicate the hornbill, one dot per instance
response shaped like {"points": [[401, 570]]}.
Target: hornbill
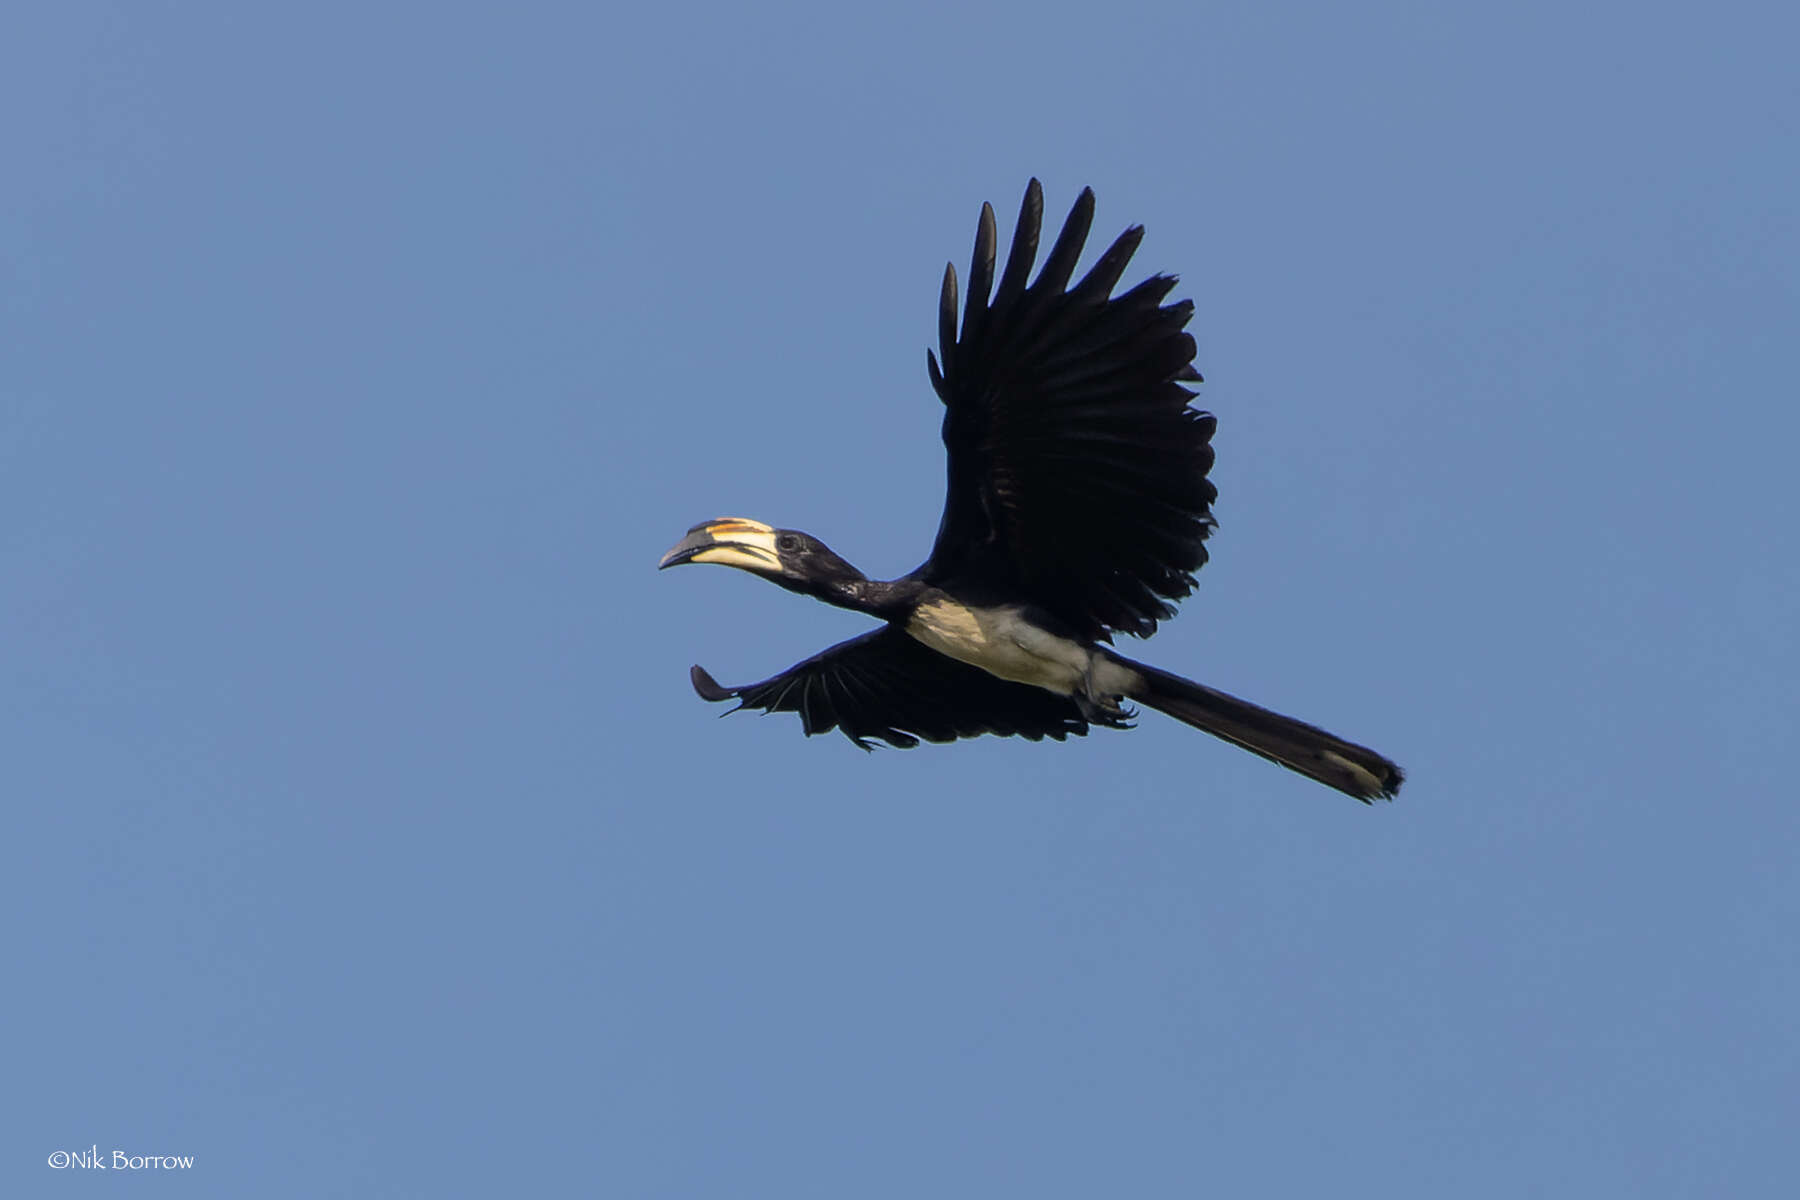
{"points": [[1078, 507]]}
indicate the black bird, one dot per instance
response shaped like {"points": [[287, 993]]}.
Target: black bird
{"points": [[1078, 507]]}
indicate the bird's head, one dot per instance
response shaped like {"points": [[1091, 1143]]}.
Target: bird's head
{"points": [[797, 561]]}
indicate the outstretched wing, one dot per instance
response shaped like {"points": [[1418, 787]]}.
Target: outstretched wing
{"points": [[888, 686], [1077, 473]]}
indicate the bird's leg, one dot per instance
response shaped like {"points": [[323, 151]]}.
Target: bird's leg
{"points": [[1095, 704]]}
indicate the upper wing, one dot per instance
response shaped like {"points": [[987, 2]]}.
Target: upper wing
{"points": [[1077, 474], [886, 685]]}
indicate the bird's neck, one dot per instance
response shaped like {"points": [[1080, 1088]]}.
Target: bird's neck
{"points": [[885, 598]]}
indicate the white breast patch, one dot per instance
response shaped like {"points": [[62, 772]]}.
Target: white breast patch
{"points": [[1001, 642]]}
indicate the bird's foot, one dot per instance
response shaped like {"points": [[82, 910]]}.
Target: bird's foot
{"points": [[1103, 710]]}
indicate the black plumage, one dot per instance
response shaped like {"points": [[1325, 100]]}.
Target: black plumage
{"points": [[887, 686], [1077, 469], [1077, 507]]}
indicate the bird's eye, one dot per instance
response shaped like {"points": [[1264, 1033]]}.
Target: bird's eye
{"points": [[787, 541]]}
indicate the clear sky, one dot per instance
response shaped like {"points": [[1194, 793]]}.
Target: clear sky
{"points": [[358, 362]]}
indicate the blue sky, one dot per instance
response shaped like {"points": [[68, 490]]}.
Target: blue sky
{"points": [[366, 838]]}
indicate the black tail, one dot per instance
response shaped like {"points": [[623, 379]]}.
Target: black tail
{"points": [[1354, 770]]}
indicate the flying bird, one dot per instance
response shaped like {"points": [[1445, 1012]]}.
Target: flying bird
{"points": [[1078, 507]]}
